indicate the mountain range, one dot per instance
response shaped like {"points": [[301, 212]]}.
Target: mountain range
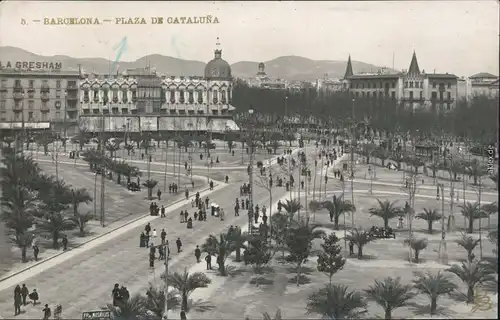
{"points": [[291, 68]]}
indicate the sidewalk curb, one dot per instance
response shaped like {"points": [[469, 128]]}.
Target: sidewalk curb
{"points": [[98, 237]]}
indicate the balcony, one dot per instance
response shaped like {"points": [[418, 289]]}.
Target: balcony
{"points": [[18, 95], [72, 97], [72, 87], [71, 107], [415, 99], [18, 107], [44, 96], [44, 108]]}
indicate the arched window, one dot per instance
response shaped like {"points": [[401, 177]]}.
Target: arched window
{"points": [[223, 99], [229, 96], [200, 96], [86, 96], [191, 97], [115, 95], [215, 98], [96, 95], [105, 98], [181, 96], [134, 95], [172, 96], [124, 96]]}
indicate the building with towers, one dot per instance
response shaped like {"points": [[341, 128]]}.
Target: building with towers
{"points": [[264, 81], [142, 100], [413, 87]]}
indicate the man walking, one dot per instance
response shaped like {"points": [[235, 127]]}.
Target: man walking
{"points": [[197, 254], [162, 212], [163, 236], [208, 259], [159, 194], [179, 244]]}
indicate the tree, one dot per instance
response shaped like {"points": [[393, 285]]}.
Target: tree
{"points": [[472, 212], [429, 215], [368, 150], [315, 206], [299, 243], [330, 261], [133, 308], [258, 253], [494, 178], [129, 148], [79, 196], [221, 246], [417, 245], [472, 273], [54, 224], [390, 294], [382, 154], [238, 240], [186, 284], [360, 238], [386, 210], [277, 316], [280, 224], [476, 170], [150, 184], [490, 209], [336, 302], [291, 207], [468, 244], [81, 220], [337, 207], [434, 286], [155, 301], [112, 148]]}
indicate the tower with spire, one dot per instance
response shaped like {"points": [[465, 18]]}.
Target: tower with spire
{"points": [[413, 84], [348, 69]]}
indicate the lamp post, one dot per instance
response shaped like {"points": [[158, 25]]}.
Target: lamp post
{"points": [[442, 250], [352, 162], [167, 254], [65, 115], [250, 171]]}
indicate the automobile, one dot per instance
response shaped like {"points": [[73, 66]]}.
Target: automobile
{"points": [[133, 186]]}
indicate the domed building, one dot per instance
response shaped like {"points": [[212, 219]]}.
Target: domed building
{"points": [[142, 100], [262, 80]]}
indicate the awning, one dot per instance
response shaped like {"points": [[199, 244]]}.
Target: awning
{"points": [[222, 125], [182, 123], [27, 125]]}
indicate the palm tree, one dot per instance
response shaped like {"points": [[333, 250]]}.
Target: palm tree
{"points": [[150, 184], [112, 148], [434, 286], [79, 196], [472, 273], [429, 215], [129, 148], [186, 284], [390, 294], [472, 212], [238, 239], [55, 224], [476, 170], [360, 238], [23, 241], [132, 309], [386, 210], [315, 206], [490, 209], [469, 244], [368, 150], [81, 220], [291, 207], [155, 302], [335, 302], [434, 165], [277, 316], [337, 207], [222, 247], [417, 245]]}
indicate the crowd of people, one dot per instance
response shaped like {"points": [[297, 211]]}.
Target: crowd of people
{"points": [[21, 295]]}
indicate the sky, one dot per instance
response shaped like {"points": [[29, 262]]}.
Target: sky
{"points": [[460, 37]]}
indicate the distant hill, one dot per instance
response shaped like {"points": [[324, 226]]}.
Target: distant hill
{"points": [[287, 67]]}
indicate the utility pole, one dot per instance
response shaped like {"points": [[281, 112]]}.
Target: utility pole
{"points": [[481, 217], [250, 175], [167, 254], [65, 115], [353, 133], [165, 168], [103, 170], [442, 250]]}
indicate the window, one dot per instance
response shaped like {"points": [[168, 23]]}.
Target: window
{"points": [[58, 84], [434, 95], [368, 85], [394, 85], [406, 84], [449, 95], [30, 116], [71, 84], [3, 104], [215, 97], [411, 95], [421, 95], [421, 84], [96, 95], [124, 96], [381, 85], [45, 116], [441, 95], [3, 84], [350, 85], [172, 96], [363, 94], [115, 95], [375, 94], [58, 93], [3, 95], [31, 94], [448, 106], [31, 105], [58, 115], [17, 116], [58, 104], [17, 83], [411, 84], [434, 85], [181, 96], [191, 97], [31, 84], [44, 105], [200, 96], [357, 94], [449, 85], [393, 94], [223, 96], [368, 94]]}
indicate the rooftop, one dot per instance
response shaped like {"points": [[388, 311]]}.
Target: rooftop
{"points": [[483, 75]]}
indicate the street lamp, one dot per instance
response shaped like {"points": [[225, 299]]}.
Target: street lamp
{"points": [[442, 251], [352, 163], [65, 115], [250, 171]]}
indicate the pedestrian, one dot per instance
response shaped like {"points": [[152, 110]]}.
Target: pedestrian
{"points": [[46, 312], [36, 250], [147, 228], [192, 203], [162, 212], [197, 254], [186, 193], [34, 296], [24, 293], [151, 260], [351, 248], [154, 233], [163, 236], [65, 242], [159, 194], [17, 300], [227, 179], [186, 215], [115, 293], [182, 216], [179, 244], [183, 315], [208, 259]]}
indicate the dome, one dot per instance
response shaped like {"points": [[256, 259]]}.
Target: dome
{"points": [[261, 65], [218, 68]]}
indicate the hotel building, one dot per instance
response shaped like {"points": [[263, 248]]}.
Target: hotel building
{"points": [[412, 87], [142, 100], [38, 99], [264, 81]]}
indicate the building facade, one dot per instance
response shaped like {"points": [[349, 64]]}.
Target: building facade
{"points": [[412, 87], [482, 84], [329, 85], [38, 99], [141, 100], [264, 81]]}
